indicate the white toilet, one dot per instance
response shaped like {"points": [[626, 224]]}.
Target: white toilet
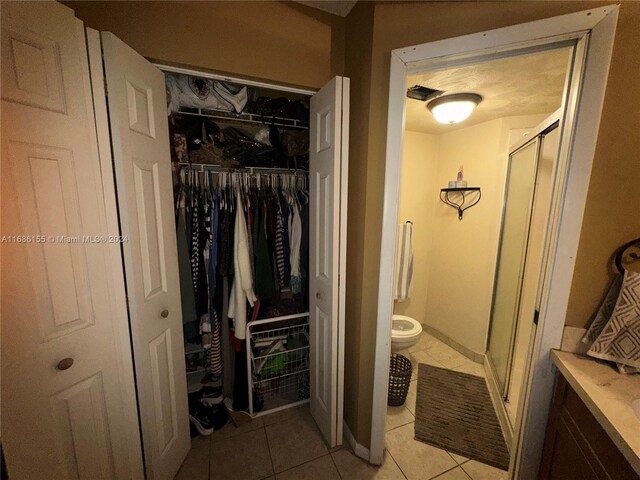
{"points": [[405, 332]]}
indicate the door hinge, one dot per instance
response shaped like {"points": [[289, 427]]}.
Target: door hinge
{"points": [[536, 317]]}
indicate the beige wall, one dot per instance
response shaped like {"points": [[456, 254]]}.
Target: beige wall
{"points": [[417, 201], [455, 261], [611, 212], [279, 41], [358, 358], [463, 255]]}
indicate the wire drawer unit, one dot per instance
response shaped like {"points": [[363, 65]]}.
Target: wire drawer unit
{"points": [[277, 363]]}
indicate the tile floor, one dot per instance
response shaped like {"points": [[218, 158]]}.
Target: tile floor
{"points": [[288, 446]]}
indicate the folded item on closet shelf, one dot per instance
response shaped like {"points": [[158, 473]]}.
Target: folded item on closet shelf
{"points": [[263, 136], [212, 155], [179, 152], [235, 96], [270, 107], [280, 108], [191, 127], [194, 92], [294, 143], [211, 395]]}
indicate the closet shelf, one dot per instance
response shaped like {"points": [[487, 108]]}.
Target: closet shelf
{"points": [[193, 383], [197, 370], [459, 205], [202, 167], [190, 348], [252, 118]]}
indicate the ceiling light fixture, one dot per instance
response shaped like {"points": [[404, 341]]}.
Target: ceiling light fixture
{"points": [[454, 108]]}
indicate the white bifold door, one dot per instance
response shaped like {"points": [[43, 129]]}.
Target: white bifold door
{"points": [[328, 167], [136, 97], [68, 398]]}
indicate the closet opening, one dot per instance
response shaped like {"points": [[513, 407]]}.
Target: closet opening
{"points": [[240, 154], [243, 315]]}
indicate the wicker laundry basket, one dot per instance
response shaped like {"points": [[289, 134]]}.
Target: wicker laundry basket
{"points": [[399, 379]]}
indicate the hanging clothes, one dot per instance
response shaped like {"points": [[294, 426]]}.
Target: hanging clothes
{"points": [[242, 287], [241, 240], [264, 275], [186, 283], [198, 270], [295, 235]]}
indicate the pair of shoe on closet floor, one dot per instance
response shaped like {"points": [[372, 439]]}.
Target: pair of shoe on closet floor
{"points": [[207, 411]]}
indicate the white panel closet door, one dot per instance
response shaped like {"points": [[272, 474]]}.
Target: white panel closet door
{"points": [[327, 247], [71, 419], [140, 139]]}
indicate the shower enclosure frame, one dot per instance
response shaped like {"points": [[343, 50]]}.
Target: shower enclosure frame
{"points": [[593, 33], [537, 135]]}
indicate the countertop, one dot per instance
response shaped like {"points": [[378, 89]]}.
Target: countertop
{"points": [[608, 395]]}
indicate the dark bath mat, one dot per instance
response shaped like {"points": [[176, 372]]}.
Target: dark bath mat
{"points": [[454, 412]]}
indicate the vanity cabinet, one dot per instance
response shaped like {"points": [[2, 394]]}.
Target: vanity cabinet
{"points": [[576, 446]]}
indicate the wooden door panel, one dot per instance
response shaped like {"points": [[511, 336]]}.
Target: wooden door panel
{"points": [[140, 139], [32, 69], [83, 429], [162, 377], [75, 422], [45, 180], [326, 240], [154, 276]]}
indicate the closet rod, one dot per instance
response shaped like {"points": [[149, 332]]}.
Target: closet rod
{"points": [[252, 118], [205, 167]]}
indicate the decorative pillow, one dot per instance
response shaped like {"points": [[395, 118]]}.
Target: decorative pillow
{"points": [[619, 340]]}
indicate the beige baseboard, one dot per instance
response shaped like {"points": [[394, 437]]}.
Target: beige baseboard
{"points": [[360, 450], [470, 354]]}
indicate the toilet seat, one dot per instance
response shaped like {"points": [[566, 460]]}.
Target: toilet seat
{"points": [[404, 326]]}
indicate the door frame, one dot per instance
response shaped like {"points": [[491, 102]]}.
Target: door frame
{"points": [[594, 32]]}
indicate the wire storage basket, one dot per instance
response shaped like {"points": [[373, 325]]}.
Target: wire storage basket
{"points": [[399, 379], [278, 363]]}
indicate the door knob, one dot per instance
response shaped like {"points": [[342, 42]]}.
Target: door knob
{"points": [[318, 296], [164, 313], [65, 363]]}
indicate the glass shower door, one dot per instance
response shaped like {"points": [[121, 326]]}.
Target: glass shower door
{"points": [[516, 219]]}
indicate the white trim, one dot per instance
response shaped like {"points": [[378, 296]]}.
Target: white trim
{"points": [[395, 138], [556, 28], [116, 278], [342, 262], [580, 152], [228, 78], [580, 130], [360, 450]]}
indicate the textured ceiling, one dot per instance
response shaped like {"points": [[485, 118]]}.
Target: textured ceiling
{"points": [[341, 8], [522, 85]]}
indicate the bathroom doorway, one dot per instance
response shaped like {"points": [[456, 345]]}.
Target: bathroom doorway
{"points": [[446, 257], [577, 129]]}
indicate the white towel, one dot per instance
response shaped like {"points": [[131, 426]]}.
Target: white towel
{"points": [[403, 273]]}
